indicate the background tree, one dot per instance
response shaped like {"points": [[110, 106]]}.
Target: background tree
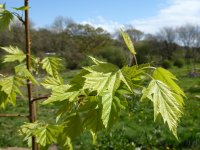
{"points": [[167, 36], [188, 36]]}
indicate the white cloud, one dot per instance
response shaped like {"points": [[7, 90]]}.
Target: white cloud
{"points": [[177, 12], [108, 25]]}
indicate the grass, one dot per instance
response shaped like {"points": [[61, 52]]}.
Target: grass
{"points": [[135, 128]]}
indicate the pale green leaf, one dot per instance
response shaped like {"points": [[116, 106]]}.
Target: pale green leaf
{"points": [[128, 42], [62, 93], [109, 110], [99, 77], [2, 7], [15, 54], [9, 89], [168, 78], [132, 77], [105, 79], [96, 61], [166, 102], [24, 73], [96, 81], [52, 65], [45, 134], [27, 130], [51, 82]]}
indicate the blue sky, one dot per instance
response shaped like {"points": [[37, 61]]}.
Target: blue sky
{"points": [[146, 15]]}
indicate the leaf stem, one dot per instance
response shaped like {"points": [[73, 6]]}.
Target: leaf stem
{"points": [[149, 68], [19, 18], [136, 63], [148, 75]]}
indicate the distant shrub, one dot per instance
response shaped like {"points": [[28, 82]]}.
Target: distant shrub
{"points": [[179, 63], [166, 64], [113, 55], [194, 89]]}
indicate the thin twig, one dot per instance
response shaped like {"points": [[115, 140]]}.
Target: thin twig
{"points": [[136, 63], [149, 68], [13, 115]]}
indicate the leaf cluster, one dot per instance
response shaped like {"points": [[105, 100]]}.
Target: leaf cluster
{"points": [[93, 99], [6, 17]]}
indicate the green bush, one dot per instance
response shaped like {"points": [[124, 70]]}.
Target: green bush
{"points": [[166, 64], [194, 89], [179, 63], [113, 54]]}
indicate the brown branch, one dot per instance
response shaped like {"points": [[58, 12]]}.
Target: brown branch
{"points": [[39, 98], [13, 115]]}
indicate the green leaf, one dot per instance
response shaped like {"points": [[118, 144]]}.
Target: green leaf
{"points": [[6, 17], [96, 82], [96, 61], [105, 79], [51, 82], [87, 103], [166, 102], [78, 80], [102, 67], [3, 99], [93, 122], [128, 42], [73, 126], [111, 110], [132, 77], [62, 93], [21, 8], [52, 65], [65, 107], [99, 77], [22, 72], [65, 142], [35, 63], [9, 89], [45, 134], [2, 7], [15, 54], [168, 78], [27, 130]]}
